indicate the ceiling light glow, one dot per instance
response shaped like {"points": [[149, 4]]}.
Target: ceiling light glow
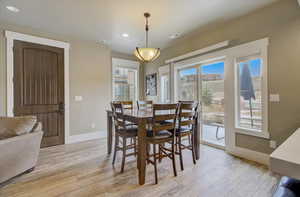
{"points": [[173, 36], [125, 35], [12, 9]]}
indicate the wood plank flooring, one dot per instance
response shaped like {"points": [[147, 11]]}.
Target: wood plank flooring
{"points": [[84, 169]]}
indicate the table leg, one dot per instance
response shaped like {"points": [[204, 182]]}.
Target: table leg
{"points": [[109, 132], [196, 140], [142, 151]]}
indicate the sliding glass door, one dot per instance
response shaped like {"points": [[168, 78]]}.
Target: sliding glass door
{"points": [[205, 83]]}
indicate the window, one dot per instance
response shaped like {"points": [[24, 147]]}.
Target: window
{"points": [[188, 84], [249, 93], [165, 88], [125, 80]]}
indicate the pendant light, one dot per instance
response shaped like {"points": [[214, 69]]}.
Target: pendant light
{"points": [[147, 54]]}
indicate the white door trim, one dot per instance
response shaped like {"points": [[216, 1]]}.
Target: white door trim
{"points": [[10, 37]]}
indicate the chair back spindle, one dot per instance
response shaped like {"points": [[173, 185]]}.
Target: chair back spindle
{"points": [[144, 104], [164, 113], [119, 122], [187, 115]]}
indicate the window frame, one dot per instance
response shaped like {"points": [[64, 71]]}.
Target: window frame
{"points": [[257, 47], [128, 64]]}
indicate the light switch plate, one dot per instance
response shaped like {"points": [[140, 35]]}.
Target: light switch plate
{"points": [[274, 98], [78, 98]]}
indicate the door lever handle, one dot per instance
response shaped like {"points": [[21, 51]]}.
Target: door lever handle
{"points": [[61, 107]]}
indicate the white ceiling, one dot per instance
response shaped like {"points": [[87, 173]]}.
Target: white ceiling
{"points": [[100, 20]]}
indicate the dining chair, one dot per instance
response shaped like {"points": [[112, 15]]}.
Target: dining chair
{"points": [[159, 134], [127, 105], [144, 104], [124, 131], [187, 116]]}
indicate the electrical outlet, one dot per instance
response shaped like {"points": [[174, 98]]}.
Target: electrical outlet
{"points": [[93, 125], [273, 144]]}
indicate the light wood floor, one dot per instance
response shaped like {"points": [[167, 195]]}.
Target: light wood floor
{"points": [[84, 169]]}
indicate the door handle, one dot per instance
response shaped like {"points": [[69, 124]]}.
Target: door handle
{"points": [[61, 107]]}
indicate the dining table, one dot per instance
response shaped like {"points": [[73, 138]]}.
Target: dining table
{"points": [[141, 118]]}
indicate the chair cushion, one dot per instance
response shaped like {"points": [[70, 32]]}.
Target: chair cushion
{"points": [[131, 128], [159, 135], [130, 131], [14, 126]]}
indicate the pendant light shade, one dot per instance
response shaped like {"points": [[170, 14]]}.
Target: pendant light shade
{"points": [[147, 54]]}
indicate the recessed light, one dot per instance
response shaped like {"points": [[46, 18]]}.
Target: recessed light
{"points": [[125, 35], [12, 9], [173, 36]]}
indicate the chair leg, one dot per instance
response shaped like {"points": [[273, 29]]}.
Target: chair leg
{"points": [[160, 153], [124, 154], [193, 151], [180, 152], [173, 158], [155, 167], [115, 151], [134, 149]]}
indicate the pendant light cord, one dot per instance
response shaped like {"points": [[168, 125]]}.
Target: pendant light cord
{"points": [[147, 28]]}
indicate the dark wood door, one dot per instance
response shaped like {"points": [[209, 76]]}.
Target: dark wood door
{"points": [[39, 87]]}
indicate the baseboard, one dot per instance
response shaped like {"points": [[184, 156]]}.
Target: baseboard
{"points": [[258, 157], [86, 137]]}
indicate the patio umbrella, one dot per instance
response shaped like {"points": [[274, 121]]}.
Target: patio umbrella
{"points": [[246, 87]]}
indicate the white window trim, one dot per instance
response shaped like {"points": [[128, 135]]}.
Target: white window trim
{"points": [[10, 37], [261, 47], [229, 54], [163, 71], [130, 64]]}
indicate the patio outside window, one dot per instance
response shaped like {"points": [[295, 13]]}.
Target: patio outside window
{"points": [[249, 113]]}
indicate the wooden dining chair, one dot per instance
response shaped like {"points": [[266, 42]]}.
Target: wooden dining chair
{"points": [[127, 104], [159, 134], [187, 116], [144, 104], [124, 131]]}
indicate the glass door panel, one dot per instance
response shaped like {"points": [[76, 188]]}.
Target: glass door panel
{"points": [[188, 84], [212, 99]]}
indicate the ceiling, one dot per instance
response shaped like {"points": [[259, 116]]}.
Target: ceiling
{"points": [[107, 20]]}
